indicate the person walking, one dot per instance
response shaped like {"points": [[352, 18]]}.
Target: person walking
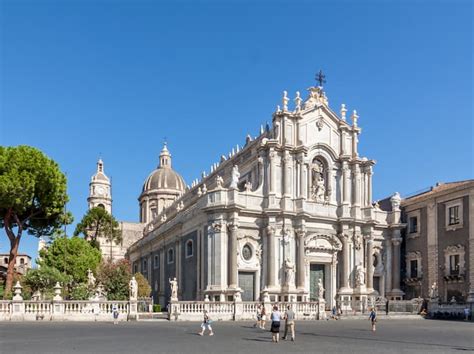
{"points": [[275, 328], [259, 317], [373, 318], [115, 313], [466, 313], [206, 323], [263, 317], [289, 323]]}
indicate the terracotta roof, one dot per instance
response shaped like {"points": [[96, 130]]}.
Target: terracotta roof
{"points": [[438, 189]]}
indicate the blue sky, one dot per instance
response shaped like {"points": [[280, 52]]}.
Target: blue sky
{"points": [[113, 78]]}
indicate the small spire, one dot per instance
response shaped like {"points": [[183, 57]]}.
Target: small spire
{"points": [[354, 118], [165, 157], [343, 112], [285, 101], [298, 101], [100, 166]]}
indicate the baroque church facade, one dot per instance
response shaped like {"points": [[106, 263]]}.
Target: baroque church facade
{"points": [[291, 208]]}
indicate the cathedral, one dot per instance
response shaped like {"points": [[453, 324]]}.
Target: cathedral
{"points": [[290, 209]]}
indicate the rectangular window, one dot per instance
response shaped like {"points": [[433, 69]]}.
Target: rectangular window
{"points": [[454, 215], [414, 268], [135, 268], [413, 224], [156, 261], [454, 264]]}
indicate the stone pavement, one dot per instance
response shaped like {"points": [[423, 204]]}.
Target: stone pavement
{"points": [[348, 336]]}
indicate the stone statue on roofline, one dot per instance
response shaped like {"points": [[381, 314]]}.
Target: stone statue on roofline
{"points": [[235, 177]]}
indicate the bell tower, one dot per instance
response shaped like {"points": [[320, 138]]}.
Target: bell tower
{"points": [[100, 189]]}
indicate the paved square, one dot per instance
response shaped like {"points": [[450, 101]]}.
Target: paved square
{"points": [[344, 336]]}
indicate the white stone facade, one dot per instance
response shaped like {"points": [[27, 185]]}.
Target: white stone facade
{"points": [[293, 206]]}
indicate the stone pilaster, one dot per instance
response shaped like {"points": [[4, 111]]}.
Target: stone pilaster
{"points": [[270, 256], [370, 263], [345, 284], [300, 271], [232, 257], [396, 242], [369, 185]]}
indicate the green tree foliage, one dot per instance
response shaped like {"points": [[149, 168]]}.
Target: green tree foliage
{"points": [[115, 276], [97, 222], [80, 292], [32, 198], [44, 279], [71, 256], [144, 289]]}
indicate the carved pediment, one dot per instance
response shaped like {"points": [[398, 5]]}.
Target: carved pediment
{"points": [[322, 243]]}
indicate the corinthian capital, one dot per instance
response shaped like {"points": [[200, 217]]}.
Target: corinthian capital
{"points": [[233, 226], [270, 230], [301, 231]]}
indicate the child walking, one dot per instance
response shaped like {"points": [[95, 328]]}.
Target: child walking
{"points": [[373, 318], [206, 323], [115, 313]]}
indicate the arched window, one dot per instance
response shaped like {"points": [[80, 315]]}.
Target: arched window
{"points": [[189, 248], [22, 261], [101, 206], [5, 260], [170, 255]]}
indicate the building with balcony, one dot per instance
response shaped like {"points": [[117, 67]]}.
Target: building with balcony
{"points": [[439, 241]]}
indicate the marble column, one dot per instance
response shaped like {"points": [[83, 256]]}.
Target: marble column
{"points": [[370, 263], [271, 154], [396, 241], [369, 186], [286, 174], [345, 183], [345, 261], [304, 180], [388, 266], [357, 185], [300, 271], [232, 256], [270, 256]]}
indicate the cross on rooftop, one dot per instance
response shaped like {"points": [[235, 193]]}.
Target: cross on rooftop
{"points": [[321, 78]]}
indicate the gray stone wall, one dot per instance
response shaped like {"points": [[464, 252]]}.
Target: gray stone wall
{"points": [[189, 268]]}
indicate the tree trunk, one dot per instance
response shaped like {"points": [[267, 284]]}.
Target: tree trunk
{"points": [[11, 263], [14, 243]]}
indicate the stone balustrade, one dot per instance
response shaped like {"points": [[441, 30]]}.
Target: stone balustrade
{"points": [[63, 310], [238, 310]]}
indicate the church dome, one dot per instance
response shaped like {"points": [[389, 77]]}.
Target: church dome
{"points": [[164, 177]]}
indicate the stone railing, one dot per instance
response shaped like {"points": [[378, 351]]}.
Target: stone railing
{"points": [[238, 310], [64, 310]]}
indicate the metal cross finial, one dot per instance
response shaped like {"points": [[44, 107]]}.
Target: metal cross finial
{"points": [[321, 78]]}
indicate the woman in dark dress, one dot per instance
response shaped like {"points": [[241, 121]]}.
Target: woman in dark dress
{"points": [[275, 329]]}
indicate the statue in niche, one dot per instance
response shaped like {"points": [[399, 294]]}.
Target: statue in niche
{"points": [[434, 291], [289, 272], [360, 275], [235, 177], [318, 188]]}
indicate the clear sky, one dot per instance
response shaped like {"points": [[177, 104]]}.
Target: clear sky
{"points": [[113, 78]]}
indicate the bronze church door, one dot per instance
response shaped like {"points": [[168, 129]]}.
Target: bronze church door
{"points": [[316, 272], [247, 284]]}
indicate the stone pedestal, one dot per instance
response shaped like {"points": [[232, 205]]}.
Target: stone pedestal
{"points": [[321, 309], [132, 310]]}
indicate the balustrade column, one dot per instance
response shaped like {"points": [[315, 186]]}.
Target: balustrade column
{"points": [[300, 272], [270, 257], [232, 257]]}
